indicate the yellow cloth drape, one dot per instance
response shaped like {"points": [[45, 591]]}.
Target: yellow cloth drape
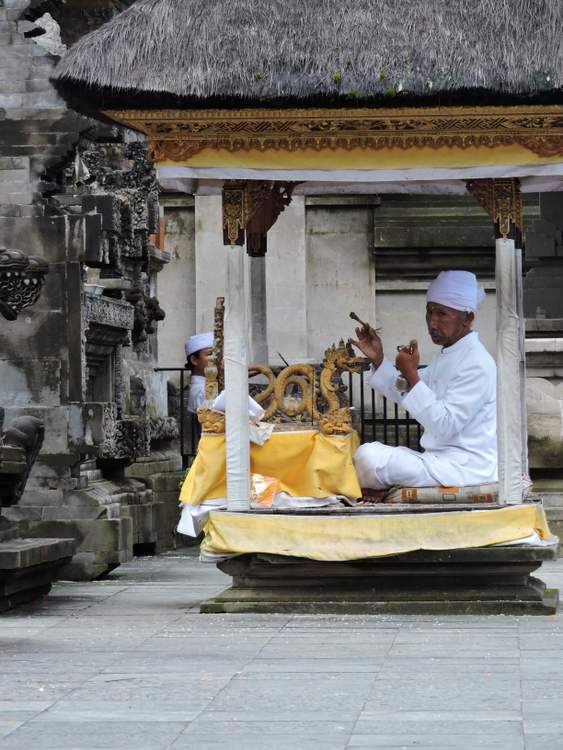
{"points": [[307, 464], [330, 538]]}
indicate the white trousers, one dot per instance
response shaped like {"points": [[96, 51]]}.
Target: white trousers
{"points": [[379, 466]]}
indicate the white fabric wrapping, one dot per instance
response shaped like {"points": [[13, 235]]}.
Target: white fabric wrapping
{"points": [[510, 371], [255, 411], [197, 342], [533, 177], [197, 393], [526, 482], [235, 355], [456, 289], [455, 402], [194, 517]]}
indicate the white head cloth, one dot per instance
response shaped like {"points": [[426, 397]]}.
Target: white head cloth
{"points": [[199, 341], [456, 289]]}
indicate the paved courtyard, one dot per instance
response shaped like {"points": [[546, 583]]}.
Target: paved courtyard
{"points": [[128, 663]]}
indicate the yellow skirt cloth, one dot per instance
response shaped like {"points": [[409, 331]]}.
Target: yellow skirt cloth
{"points": [[333, 538], [307, 464]]}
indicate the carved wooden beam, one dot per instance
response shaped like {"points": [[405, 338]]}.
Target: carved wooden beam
{"points": [[502, 200], [177, 135]]}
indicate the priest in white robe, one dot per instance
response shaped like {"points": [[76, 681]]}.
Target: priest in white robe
{"points": [[454, 398]]}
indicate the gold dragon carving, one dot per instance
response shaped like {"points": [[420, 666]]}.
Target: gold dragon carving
{"points": [[333, 417]]}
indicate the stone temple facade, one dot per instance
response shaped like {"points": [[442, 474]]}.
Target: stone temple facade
{"points": [[80, 218], [104, 273]]}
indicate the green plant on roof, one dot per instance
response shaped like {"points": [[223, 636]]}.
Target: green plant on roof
{"points": [[337, 77]]}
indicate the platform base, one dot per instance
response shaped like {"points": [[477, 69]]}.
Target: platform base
{"points": [[489, 580]]}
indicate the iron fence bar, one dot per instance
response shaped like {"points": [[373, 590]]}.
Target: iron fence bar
{"points": [[362, 407], [182, 415], [373, 414], [385, 420]]}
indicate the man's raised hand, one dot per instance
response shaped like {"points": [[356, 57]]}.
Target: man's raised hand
{"points": [[369, 343]]}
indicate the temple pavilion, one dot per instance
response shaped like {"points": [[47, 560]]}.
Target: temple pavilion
{"points": [[258, 100]]}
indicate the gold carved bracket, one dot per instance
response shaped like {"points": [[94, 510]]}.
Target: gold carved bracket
{"points": [[502, 200], [252, 207]]}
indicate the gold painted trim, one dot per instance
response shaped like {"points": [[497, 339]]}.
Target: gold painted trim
{"points": [[177, 135]]}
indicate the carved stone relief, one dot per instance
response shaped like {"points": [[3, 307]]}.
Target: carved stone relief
{"points": [[21, 281]]}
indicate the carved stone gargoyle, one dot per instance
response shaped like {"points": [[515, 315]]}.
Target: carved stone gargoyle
{"points": [[19, 447], [21, 280]]}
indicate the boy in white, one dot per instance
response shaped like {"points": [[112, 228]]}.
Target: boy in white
{"points": [[454, 398], [198, 350]]}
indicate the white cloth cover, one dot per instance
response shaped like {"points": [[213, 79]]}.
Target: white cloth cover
{"points": [[455, 402], [511, 373], [196, 396], [197, 342], [456, 289], [194, 517], [235, 357], [255, 411]]}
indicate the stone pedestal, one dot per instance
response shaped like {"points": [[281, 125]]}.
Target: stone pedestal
{"points": [[488, 580], [28, 568]]}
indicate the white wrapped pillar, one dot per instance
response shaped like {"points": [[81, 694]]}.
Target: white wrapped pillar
{"points": [[511, 374], [235, 357]]}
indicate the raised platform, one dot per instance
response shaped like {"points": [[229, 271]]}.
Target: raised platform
{"points": [[484, 580], [28, 568]]}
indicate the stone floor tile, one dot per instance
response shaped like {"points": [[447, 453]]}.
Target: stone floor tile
{"points": [[440, 724], [309, 666], [545, 725], [429, 740], [298, 650], [543, 741], [443, 665], [93, 735], [453, 650], [251, 742], [258, 726]]}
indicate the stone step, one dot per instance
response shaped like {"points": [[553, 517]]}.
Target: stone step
{"points": [[92, 475]]}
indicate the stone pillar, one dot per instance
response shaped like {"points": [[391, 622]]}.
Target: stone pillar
{"points": [[258, 311], [209, 259], [177, 280], [340, 271], [286, 283]]}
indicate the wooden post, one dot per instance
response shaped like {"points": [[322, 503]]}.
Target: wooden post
{"points": [[502, 201]]}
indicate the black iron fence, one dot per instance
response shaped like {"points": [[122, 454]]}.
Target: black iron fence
{"points": [[375, 417]]}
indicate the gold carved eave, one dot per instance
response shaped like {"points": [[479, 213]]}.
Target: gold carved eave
{"points": [[177, 135]]}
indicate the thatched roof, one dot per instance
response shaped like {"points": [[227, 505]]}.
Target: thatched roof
{"points": [[303, 52]]}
